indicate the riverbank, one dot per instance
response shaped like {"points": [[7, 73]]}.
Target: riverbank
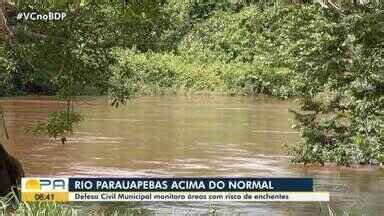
{"points": [[167, 73]]}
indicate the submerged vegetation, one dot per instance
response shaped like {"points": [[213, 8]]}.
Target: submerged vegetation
{"points": [[328, 54]]}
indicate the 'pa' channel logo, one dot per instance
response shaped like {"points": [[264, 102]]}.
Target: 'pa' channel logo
{"points": [[44, 185]]}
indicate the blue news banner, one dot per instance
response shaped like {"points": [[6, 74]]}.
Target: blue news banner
{"points": [[170, 189]]}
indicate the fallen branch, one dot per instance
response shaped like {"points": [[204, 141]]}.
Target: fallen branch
{"points": [[4, 124]]}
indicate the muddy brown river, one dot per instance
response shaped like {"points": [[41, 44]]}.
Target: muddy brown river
{"points": [[188, 136]]}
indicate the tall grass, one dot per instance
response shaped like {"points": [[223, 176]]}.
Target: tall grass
{"points": [[11, 205], [44, 208]]}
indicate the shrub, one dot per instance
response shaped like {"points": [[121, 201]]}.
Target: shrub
{"points": [[342, 95], [223, 37], [154, 73], [7, 69]]}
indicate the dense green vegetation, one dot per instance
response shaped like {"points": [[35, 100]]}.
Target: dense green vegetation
{"points": [[329, 57], [342, 94]]}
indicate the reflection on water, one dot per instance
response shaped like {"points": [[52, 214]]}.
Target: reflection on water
{"points": [[186, 136]]}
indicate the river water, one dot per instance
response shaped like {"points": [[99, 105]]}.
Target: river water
{"points": [[188, 136]]}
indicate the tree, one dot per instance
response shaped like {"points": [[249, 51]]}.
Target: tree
{"points": [[73, 54], [341, 87]]}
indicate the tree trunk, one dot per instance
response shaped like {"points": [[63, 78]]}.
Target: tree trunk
{"points": [[333, 6], [77, 4], [11, 172], [5, 32]]}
